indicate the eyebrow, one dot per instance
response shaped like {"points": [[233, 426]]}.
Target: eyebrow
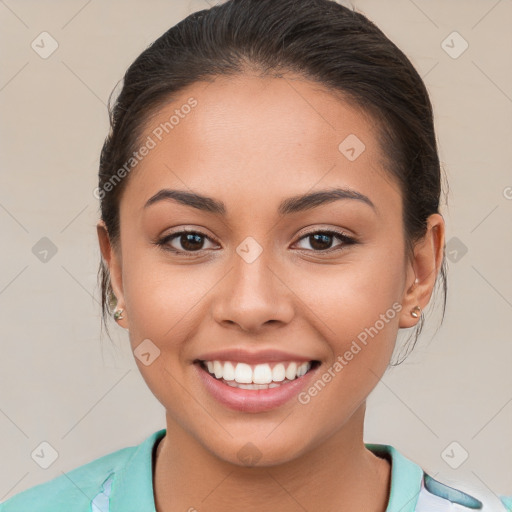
{"points": [[291, 205]]}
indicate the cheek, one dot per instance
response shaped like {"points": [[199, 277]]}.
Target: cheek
{"points": [[356, 308], [162, 299], [158, 300], [357, 314], [351, 296]]}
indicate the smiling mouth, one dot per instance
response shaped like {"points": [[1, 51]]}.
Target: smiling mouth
{"points": [[257, 376]]}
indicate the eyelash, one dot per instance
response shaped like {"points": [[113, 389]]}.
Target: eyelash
{"points": [[164, 241]]}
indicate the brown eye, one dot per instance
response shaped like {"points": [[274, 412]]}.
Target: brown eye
{"points": [[191, 241], [321, 241], [187, 242]]}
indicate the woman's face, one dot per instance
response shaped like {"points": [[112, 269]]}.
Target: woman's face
{"points": [[263, 277]]}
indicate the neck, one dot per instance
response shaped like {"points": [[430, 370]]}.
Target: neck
{"points": [[339, 474]]}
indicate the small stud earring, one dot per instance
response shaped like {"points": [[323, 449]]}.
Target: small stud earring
{"points": [[118, 314], [415, 311]]}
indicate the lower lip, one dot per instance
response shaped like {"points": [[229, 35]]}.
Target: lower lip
{"points": [[253, 400]]}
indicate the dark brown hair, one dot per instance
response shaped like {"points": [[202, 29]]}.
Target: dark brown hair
{"points": [[318, 39]]}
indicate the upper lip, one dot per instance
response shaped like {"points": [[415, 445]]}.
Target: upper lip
{"points": [[252, 357]]}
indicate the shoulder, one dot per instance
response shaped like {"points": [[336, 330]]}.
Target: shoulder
{"points": [[507, 501], [435, 495], [77, 487], [414, 490]]}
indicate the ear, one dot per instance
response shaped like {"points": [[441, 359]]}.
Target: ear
{"points": [[423, 269], [112, 258]]}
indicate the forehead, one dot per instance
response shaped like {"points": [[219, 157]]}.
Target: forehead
{"points": [[259, 136]]}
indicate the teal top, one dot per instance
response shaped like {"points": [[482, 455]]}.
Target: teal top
{"points": [[122, 481]]}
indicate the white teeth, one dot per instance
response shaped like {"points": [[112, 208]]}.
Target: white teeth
{"points": [[291, 371], [250, 386], [243, 373], [228, 373], [302, 369], [278, 373], [262, 374], [217, 369], [259, 376]]}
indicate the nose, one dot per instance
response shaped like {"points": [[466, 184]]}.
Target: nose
{"points": [[253, 296]]}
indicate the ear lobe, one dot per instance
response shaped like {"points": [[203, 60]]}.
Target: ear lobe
{"points": [[409, 303], [423, 270], [112, 260]]}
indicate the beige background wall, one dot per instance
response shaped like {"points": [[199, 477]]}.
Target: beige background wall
{"points": [[61, 383]]}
